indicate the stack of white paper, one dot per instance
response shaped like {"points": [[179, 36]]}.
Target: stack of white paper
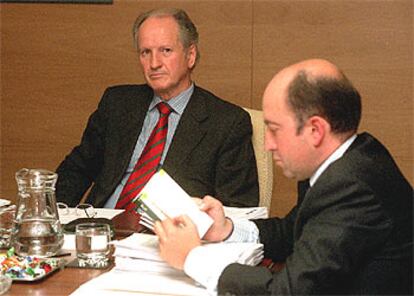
{"points": [[117, 282], [4, 202], [138, 245], [139, 252], [246, 213], [140, 269]]}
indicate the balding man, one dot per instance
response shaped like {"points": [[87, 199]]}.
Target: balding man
{"points": [[351, 230]]}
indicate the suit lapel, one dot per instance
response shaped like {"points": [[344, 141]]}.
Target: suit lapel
{"points": [[131, 126], [190, 131]]}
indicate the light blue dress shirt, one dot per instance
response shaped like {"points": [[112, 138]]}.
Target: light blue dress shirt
{"points": [[177, 105]]}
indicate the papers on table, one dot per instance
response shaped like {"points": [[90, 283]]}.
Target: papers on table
{"points": [[117, 282], [140, 269], [162, 197], [139, 252], [145, 246], [4, 202], [138, 245], [69, 242], [246, 213]]}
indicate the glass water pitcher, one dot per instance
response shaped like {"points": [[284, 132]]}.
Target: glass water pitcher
{"points": [[36, 230]]}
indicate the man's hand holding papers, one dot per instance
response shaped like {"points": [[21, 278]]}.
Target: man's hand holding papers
{"points": [[177, 251], [159, 264], [222, 226], [163, 198]]}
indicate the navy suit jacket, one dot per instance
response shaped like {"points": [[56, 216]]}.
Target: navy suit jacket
{"points": [[211, 152], [350, 233]]}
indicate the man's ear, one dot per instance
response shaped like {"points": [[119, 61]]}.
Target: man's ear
{"points": [[191, 54], [318, 127]]}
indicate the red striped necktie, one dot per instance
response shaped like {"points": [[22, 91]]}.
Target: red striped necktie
{"points": [[148, 162]]}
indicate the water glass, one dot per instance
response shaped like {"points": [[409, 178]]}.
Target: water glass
{"points": [[92, 244], [6, 224]]}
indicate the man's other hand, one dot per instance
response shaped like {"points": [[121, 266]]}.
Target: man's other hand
{"points": [[177, 237], [222, 226]]}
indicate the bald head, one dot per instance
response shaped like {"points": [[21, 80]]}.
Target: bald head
{"points": [[314, 68], [317, 87]]}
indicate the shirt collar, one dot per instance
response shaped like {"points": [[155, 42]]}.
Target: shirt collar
{"points": [[177, 103], [333, 157]]}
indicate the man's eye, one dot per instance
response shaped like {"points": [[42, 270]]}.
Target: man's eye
{"points": [[272, 130], [144, 52], [166, 50]]}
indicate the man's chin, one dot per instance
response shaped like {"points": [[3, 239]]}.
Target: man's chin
{"points": [[159, 89], [157, 86], [287, 173]]}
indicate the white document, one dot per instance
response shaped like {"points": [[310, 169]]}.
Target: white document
{"points": [[145, 246], [138, 245], [246, 213], [143, 265], [4, 202], [163, 197], [139, 269], [117, 282], [69, 242]]}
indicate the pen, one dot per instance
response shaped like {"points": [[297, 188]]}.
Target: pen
{"points": [[251, 211]]}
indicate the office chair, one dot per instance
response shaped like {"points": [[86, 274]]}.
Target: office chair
{"points": [[263, 158]]}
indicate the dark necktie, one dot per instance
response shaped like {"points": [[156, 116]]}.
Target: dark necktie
{"points": [[303, 187], [148, 162]]}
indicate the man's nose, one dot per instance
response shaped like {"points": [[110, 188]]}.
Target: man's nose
{"points": [[270, 143], [155, 61]]}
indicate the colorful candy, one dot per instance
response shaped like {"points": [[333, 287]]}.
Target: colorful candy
{"points": [[27, 267]]}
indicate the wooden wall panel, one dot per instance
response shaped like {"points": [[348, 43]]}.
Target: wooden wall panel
{"points": [[57, 59], [372, 41]]}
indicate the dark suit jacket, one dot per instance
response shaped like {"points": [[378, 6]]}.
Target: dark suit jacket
{"points": [[351, 233], [211, 152]]}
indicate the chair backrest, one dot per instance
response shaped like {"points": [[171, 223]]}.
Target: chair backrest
{"points": [[263, 158]]}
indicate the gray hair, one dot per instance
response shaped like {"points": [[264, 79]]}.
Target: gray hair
{"points": [[187, 30]]}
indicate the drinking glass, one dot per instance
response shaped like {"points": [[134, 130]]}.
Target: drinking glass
{"points": [[92, 244]]}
